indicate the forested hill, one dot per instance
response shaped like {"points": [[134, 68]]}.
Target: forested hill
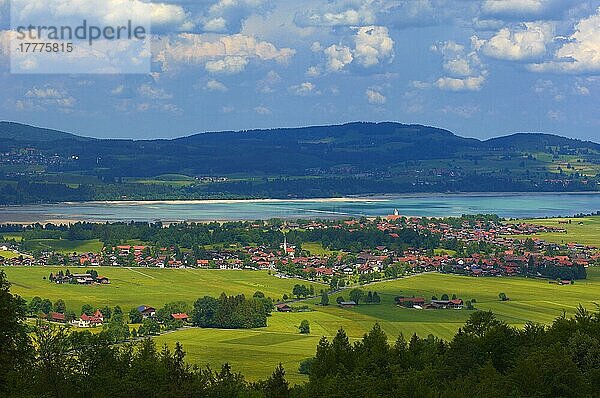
{"points": [[353, 158]]}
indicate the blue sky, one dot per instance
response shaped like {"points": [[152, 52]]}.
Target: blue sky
{"points": [[478, 68]]}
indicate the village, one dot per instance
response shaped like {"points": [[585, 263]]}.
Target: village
{"points": [[488, 247]]}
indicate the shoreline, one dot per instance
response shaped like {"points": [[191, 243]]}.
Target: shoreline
{"points": [[375, 197]]}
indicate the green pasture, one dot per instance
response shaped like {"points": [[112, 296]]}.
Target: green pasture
{"points": [[530, 300], [317, 249], [12, 236], [8, 254], [131, 287], [65, 246], [588, 233]]}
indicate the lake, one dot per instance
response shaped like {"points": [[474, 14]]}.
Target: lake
{"points": [[505, 205]]}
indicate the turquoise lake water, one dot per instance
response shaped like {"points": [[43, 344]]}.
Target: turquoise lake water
{"points": [[505, 205]]}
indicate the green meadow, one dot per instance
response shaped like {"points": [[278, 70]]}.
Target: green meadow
{"points": [[587, 233], [255, 352], [131, 287]]}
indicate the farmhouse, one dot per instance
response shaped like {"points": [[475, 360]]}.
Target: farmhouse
{"points": [[283, 308], [86, 321], [348, 304], [456, 304], [410, 301], [180, 316], [146, 311], [57, 317]]}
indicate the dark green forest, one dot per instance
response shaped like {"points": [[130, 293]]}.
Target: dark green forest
{"points": [[486, 358]]}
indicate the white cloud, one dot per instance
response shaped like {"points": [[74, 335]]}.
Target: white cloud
{"points": [[108, 12], [529, 41], [215, 85], [581, 53], [215, 25], [119, 90], [348, 17], [46, 97], [375, 97], [313, 71], [455, 84], [227, 65], [219, 53], [373, 45], [519, 8], [465, 70], [157, 93], [268, 83], [338, 57], [229, 15], [262, 110], [304, 89]]}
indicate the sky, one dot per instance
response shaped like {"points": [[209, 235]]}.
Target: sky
{"points": [[479, 68]]}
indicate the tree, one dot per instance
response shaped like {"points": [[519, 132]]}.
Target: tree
{"points": [[376, 298], [324, 298], [150, 327], [369, 298], [339, 299], [87, 309], [135, 316], [356, 295], [116, 329], [445, 297], [60, 306], [502, 297], [304, 327], [15, 347], [46, 306], [277, 386]]}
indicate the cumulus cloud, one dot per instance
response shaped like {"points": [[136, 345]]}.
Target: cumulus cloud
{"points": [[262, 110], [268, 83], [522, 8], [227, 65], [375, 97], [44, 98], [465, 70], [157, 93], [373, 45], [338, 57], [581, 52], [528, 41], [347, 17], [229, 15], [108, 12], [304, 89], [397, 13], [473, 83], [218, 53], [215, 85]]}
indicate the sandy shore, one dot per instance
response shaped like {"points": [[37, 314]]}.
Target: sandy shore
{"points": [[228, 201]]}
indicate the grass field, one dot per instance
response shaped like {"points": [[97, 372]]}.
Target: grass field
{"points": [[65, 246], [317, 249], [132, 287], [8, 254], [530, 300], [588, 233]]}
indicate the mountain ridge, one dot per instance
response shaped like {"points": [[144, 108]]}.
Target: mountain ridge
{"points": [[16, 130]]}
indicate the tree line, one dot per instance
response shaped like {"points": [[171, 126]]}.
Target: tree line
{"points": [[485, 358]]}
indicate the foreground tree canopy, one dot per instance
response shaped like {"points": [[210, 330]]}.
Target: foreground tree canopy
{"points": [[486, 358]]}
